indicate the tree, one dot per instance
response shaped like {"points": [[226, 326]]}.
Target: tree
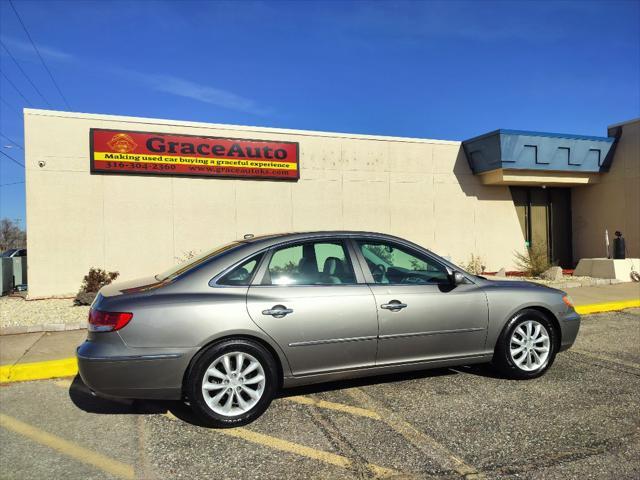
{"points": [[11, 235]]}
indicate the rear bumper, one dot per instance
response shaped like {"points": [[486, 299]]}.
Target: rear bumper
{"points": [[118, 371], [570, 325]]}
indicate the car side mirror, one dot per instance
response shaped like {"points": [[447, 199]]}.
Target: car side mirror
{"points": [[457, 278]]}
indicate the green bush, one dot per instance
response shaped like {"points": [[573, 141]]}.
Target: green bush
{"points": [[533, 262]]}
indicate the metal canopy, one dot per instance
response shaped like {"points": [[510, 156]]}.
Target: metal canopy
{"points": [[516, 157]]}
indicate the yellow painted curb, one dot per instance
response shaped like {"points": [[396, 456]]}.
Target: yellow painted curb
{"points": [[607, 306], [66, 367]]}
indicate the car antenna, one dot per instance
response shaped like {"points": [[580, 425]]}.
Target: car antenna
{"points": [[247, 236]]}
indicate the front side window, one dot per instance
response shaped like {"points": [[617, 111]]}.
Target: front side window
{"points": [[390, 263], [312, 263], [242, 274]]}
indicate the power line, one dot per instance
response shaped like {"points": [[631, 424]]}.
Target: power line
{"points": [[38, 52], [15, 88], [14, 142], [12, 183], [12, 159], [25, 74]]}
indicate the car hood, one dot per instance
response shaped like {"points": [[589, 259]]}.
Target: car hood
{"points": [[131, 286], [517, 284]]}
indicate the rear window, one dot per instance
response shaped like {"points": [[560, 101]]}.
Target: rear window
{"points": [[194, 262]]}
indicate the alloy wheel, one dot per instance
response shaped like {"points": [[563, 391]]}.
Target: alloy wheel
{"points": [[233, 384], [530, 346]]}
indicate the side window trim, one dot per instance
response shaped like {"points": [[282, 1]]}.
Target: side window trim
{"points": [[412, 250], [351, 253]]}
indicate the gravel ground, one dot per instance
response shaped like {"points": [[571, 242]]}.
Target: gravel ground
{"points": [[15, 311]]}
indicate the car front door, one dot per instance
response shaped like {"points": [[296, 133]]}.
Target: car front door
{"points": [[312, 301], [422, 315]]}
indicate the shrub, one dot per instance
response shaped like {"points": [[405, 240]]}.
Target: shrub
{"points": [[475, 265], [186, 256], [92, 282], [533, 262]]}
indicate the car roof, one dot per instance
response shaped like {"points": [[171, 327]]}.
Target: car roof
{"points": [[314, 233], [268, 240]]}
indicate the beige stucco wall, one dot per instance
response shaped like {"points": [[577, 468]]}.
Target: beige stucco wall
{"points": [[613, 203], [422, 190]]}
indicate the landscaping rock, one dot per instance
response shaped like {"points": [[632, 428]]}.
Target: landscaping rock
{"points": [[554, 274]]}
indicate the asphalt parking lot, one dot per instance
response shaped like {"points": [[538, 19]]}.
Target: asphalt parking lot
{"points": [[581, 420]]}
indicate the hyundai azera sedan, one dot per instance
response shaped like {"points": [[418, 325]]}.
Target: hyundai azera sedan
{"points": [[227, 330]]}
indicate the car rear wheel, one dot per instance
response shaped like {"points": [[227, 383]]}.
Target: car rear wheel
{"points": [[232, 383], [527, 346]]}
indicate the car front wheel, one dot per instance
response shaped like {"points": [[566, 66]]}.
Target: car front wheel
{"points": [[527, 346], [232, 383]]}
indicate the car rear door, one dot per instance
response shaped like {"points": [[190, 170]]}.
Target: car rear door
{"points": [[312, 300], [422, 316]]}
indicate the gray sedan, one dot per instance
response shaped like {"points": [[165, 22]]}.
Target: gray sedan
{"points": [[227, 330]]}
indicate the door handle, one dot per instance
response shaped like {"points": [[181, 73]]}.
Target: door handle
{"points": [[278, 311], [393, 305]]}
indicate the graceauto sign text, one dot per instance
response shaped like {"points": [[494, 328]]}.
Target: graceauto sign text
{"points": [[125, 152]]}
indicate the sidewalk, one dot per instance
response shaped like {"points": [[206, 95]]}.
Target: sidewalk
{"points": [[31, 356], [604, 293]]}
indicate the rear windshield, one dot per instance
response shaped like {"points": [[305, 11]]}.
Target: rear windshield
{"points": [[195, 261]]}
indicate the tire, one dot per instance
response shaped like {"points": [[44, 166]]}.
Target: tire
{"points": [[529, 361], [225, 399]]}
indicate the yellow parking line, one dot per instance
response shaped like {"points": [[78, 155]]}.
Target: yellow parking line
{"points": [[423, 442], [20, 372], [72, 450], [607, 306], [339, 407], [297, 449]]}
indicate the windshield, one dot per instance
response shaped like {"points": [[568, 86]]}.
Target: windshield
{"points": [[194, 262], [10, 252]]}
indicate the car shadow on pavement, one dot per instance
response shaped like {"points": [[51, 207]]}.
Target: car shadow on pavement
{"points": [[364, 382], [83, 398], [482, 370]]}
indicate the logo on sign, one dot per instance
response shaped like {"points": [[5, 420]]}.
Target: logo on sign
{"points": [[122, 143]]}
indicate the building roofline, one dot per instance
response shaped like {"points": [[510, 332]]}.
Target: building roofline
{"points": [[627, 122], [504, 131], [219, 126]]}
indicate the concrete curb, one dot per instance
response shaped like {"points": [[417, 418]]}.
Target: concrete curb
{"points": [[43, 327], [607, 306], [68, 367]]}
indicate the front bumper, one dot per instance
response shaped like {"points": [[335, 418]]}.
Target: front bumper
{"points": [[569, 325], [114, 370]]}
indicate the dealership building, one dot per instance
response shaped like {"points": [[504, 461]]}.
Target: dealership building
{"points": [[135, 195]]}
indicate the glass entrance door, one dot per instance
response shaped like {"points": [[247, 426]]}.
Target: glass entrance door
{"points": [[545, 219]]}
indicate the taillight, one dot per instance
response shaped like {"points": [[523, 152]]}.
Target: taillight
{"points": [[100, 321]]}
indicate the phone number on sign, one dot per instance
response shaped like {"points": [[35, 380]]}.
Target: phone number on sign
{"points": [[141, 166]]}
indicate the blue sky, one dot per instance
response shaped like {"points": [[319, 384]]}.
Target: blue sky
{"points": [[444, 70]]}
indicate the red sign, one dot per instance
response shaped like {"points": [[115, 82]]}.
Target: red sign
{"points": [[124, 152]]}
